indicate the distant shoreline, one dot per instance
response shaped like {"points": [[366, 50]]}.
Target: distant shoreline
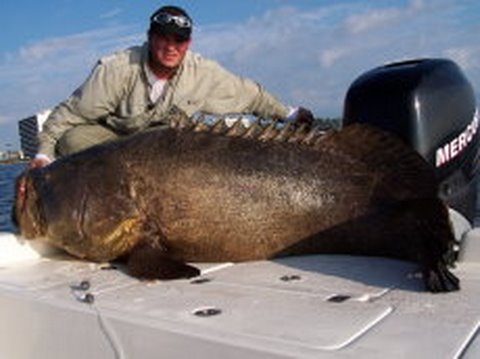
{"points": [[12, 162]]}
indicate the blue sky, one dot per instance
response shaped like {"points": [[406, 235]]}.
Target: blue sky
{"points": [[306, 52]]}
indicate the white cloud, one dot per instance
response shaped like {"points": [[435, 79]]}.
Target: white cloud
{"points": [[330, 56], [311, 57], [96, 42], [39, 75], [112, 13], [371, 20], [378, 18], [466, 57]]}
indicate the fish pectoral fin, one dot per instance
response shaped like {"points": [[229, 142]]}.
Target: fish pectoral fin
{"points": [[439, 279], [148, 262]]}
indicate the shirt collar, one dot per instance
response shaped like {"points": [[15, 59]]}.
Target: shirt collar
{"points": [[149, 75], [151, 78]]}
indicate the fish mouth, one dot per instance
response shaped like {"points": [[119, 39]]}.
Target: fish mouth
{"points": [[22, 193], [20, 199], [25, 212]]}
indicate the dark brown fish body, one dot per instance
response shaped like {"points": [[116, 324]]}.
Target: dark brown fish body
{"points": [[165, 197]]}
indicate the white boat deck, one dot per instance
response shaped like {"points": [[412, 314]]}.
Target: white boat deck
{"points": [[53, 306]]}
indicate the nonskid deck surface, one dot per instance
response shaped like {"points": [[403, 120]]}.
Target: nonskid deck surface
{"points": [[53, 306]]}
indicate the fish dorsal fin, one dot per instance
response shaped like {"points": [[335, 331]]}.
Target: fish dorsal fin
{"points": [[320, 136], [396, 167], [285, 133], [237, 130], [201, 127], [402, 168], [181, 123], [177, 118], [253, 131], [220, 127], [269, 132], [298, 134], [260, 130], [309, 138]]}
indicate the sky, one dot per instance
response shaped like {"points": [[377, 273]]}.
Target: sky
{"points": [[305, 52]]}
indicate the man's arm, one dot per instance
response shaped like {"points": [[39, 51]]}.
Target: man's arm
{"points": [[62, 118], [231, 93], [96, 98], [220, 91]]}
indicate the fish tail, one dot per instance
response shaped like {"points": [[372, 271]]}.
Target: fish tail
{"points": [[437, 243]]}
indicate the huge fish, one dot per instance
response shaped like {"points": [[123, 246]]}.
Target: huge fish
{"points": [[194, 193]]}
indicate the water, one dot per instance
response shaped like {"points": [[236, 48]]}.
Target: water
{"points": [[8, 173]]}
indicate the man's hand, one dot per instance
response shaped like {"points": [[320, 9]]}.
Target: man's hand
{"points": [[304, 116], [39, 161], [300, 116]]}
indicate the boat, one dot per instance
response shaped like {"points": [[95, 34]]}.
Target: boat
{"points": [[318, 306]]}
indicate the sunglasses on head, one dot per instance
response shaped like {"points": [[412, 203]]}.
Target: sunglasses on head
{"points": [[164, 18]]}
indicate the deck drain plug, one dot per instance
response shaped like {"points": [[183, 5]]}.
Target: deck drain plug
{"points": [[339, 298], [290, 277], [108, 266], [200, 281], [207, 312]]}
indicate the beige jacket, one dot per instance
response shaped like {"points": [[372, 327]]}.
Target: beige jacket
{"points": [[117, 94]]}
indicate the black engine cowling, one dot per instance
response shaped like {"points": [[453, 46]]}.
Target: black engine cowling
{"points": [[430, 104]]}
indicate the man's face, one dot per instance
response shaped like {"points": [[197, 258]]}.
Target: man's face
{"points": [[168, 50]]}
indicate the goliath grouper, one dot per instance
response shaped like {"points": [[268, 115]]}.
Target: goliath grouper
{"points": [[165, 197]]}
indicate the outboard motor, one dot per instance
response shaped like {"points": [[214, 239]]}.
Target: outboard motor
{"points": [[430, 105]]}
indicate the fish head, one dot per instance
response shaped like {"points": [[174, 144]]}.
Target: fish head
{"points": [[26, 209]]}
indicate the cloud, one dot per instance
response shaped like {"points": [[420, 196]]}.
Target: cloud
{"points": [[466, 57], [385, 17], [39, 75], [310, 57], [51, 53], [112, 13], [330, 56]]}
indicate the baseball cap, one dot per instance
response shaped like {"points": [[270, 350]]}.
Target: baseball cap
{"points": [[171, 20]]}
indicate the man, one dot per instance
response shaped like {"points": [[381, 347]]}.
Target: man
{"points": [[133, 90]]}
